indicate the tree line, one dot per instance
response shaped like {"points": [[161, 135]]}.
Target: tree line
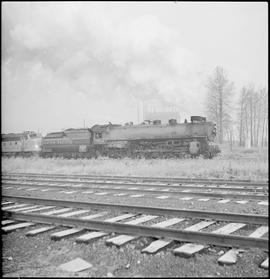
{"points": [[246, 120]]}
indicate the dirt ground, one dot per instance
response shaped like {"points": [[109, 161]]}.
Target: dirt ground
{"points": [[41, 257]]}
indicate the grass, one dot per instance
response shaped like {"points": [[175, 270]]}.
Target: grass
{"points": [[236, 164]]}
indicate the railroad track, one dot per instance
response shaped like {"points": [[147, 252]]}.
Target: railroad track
{"points": [[189, 231], [127, 184], [147, 179], [225, 193]]}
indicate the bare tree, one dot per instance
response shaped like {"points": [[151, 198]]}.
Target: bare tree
{"points": [[218, 103], [264, 119], [253, 116], [241, 113]]}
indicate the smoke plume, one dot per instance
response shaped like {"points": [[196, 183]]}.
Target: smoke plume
{"points": [[78, 53]]}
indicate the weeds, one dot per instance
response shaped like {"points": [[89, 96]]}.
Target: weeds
{"points": [[237, 164]]}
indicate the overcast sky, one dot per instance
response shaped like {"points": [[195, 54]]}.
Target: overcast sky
{"points": [[66, 62]]}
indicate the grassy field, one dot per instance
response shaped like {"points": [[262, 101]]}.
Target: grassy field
{"points": [[236, 164]]}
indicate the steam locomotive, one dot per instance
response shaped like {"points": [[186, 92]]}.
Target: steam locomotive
{"points": [[150, 139]]}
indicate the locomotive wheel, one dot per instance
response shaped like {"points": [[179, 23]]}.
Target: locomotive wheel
{"points": [[167, 155], [88, 156], [148, 156], [155, 156], [68, 156], [208, 155], [138, 156], [97, 154]]}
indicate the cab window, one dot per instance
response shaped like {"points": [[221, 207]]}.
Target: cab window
{"points": [[98, 135]]}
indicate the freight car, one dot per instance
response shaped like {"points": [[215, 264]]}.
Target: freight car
{"points": [[156, 140], [21, 144]]}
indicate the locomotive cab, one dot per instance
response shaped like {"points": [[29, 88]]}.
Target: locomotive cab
{"points": [[100, 132]]}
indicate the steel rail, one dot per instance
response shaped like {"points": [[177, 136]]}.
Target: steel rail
{"points": [[141, 177], [178, 193], [178, 187], [172, 179], [139, 230], [231, 217]]}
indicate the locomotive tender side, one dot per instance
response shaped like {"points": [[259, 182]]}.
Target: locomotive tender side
{"points": [[70, 143]]}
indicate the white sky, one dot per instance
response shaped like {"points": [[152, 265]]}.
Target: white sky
{"points": [[63, 63]]}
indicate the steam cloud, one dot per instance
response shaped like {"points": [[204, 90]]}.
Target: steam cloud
{"points": [[90, 51]]}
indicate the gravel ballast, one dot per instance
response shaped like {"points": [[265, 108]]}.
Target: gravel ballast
{"points": [[39, 256]]}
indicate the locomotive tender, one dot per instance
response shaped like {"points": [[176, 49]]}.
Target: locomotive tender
{"points": [[148, 140], [70, 143]]}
